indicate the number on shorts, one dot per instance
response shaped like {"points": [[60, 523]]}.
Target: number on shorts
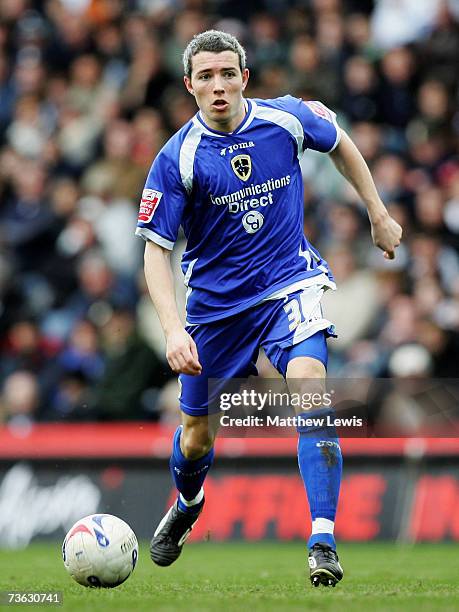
{"points": [[293, 311]]}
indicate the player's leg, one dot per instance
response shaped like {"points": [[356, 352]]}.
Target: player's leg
{"points": [[319, 459], [191, 458], [226, 350], [296, 346]]}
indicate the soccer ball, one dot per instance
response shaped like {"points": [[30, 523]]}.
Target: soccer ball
{"points": [[100, 550]]}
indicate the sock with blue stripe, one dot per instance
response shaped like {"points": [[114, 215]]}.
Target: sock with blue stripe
{"points": [[321, 463], [189, 475]]}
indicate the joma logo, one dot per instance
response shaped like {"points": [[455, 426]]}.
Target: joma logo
{"points": [[235, 147]]}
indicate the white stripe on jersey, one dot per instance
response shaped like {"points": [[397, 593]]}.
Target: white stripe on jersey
{"points": [[285, 120], [189, 272], [186, 280], [187, 154], [148, 234], [307, 255], [249, 117]]}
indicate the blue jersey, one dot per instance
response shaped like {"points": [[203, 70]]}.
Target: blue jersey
{"points": [[239, 199]]}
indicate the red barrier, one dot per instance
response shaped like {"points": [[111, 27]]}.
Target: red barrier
{"points": [[146, 440]]}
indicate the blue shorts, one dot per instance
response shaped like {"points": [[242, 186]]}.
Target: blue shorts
{"points": [[285, 328]]}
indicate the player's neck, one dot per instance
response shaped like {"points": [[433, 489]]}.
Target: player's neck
{"points": [[232, 124]]}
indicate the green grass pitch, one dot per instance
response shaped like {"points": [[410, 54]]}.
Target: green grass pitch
{"points": [[255, 577]]}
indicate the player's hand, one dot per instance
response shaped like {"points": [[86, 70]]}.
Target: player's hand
{"points": [[182, 354], [386, 234]]}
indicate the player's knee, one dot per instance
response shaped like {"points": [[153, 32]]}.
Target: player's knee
{"points": [[306, 368], [196, 443], [306, 377]]}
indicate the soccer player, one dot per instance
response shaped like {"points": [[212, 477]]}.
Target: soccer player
{"points": [[231, 178]]}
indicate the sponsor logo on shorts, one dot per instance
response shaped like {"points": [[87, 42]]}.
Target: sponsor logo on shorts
{"points": [[148, 204]]}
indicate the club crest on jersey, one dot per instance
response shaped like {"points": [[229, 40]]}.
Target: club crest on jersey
{"points": [[242, 166], [148, 203]]}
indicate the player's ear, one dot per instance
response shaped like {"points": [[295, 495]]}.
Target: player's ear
{"points": [[245, 78], [187, 82]]}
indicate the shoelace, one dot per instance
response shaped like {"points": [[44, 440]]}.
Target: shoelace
{"points": [[180, 524], [328, 553]]}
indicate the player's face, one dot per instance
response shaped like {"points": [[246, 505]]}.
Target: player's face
{"points": [[217, 84]]}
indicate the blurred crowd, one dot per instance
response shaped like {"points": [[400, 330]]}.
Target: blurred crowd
{"points": [[89, 92]]}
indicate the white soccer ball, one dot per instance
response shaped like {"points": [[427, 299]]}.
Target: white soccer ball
{"points": [[100, 550]]}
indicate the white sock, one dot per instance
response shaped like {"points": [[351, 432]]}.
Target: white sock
{"points": [[322, 525], [193, 502]]}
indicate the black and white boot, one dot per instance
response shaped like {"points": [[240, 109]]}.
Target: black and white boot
{"points": [[171, 534], [324, 566]]}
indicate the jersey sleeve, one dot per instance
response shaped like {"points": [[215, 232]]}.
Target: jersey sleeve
{"points": [[321, 130], [162, 203]]}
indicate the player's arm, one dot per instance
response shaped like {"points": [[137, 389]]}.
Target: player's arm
{"points": [[385, 231], [181, 352]]}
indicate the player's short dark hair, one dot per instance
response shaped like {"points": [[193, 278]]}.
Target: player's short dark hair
{"points": [[213, 41]]}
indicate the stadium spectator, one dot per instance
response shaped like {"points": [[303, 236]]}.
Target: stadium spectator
{"points": [[89, 93], [358, 294], [78, 367], [20, 401], [398, 22], [360, 97], [396, 101], [116, 174], [131, 370]]}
